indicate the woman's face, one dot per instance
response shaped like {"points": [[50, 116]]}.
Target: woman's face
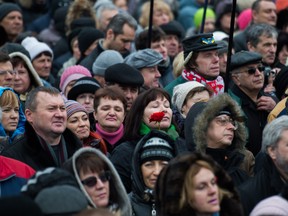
{"points": [[204, 196], [79, 124], [22, 80], [160, 17], [97, 186], [283, 55], [10, 118], [68, 87], [110, 114], [150, 171], [158, 105]]}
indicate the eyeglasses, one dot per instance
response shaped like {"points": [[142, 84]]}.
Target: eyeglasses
{"points": [[5, 72], [252, 70], [92, 180], [222, 121]]}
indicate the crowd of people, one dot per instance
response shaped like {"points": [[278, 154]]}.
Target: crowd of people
{"points": [[102, 113]]}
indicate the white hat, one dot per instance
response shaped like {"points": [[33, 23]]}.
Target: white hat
{"points": [[274, 205], [180, 92], [34, 47], [219, 35]]}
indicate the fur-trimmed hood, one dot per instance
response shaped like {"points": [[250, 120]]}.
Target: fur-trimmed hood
{"points": [[201, 114], [122, 197]]}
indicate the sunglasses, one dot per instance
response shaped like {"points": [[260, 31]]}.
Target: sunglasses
{"points": [[92, 180], [253, 70]]}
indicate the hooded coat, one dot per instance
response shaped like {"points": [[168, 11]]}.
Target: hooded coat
{"points": [[141, 197], [116, 186], [235, 159]]}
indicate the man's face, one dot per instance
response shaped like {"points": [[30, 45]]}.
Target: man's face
{"points": [[130, 92], [151, 76], [12, 23], [50, 117], [279, 154], [266, 13], [223, 62], [208, 64], [160, 46], [249, 82], [172, 44], [121, 42], [266, 47], [105, 18], [43, 65], [7, 74]]}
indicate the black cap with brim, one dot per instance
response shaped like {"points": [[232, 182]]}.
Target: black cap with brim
{"points": [[244, 58], [83, 85]]}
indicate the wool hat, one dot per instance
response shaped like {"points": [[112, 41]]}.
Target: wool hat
{"points": [[144, 58], [243, 58], [14, 47], [71, 73], [35, 47], [220, 35], [82, 22], [181, 91], [173, 28], [199, 16], [198, 43], [104, 60], [83, 85], [6, 8], [281, 82], [61, 199], [156, 148], [73, 107], [87, 37], [244, 18], [274, 205], [124, 74]]}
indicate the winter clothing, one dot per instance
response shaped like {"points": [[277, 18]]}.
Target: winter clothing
{"points": [[243, 58], [32, 150], [73, 107], [267, 182], [141, 197], [280, 109], [95, 141], [235, 159], [6, 8], [87, 37], [198, 16], [116, 186], [14, 47], [14, 174]]}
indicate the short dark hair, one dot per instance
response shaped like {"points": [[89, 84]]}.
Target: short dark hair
{"points": [[46, 53], [4, 57], [141, 40], [256, 4], [119, 20]]}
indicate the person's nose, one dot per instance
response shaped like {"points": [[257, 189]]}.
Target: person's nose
{"points": [[157, 170], [157, 74], [212, 189], [14, 114]]}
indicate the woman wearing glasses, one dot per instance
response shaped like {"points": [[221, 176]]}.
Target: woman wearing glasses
{"points": [[99, 181], [217, 129]]}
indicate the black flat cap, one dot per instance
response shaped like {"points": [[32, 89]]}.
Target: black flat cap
{"points": [[173, 28], [83, 85], [243, 58], [124, 74]]}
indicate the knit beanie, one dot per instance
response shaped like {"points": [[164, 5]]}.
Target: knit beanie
{"points": [[274, 205], [6, 8], [244, 18], [181, 91], [71, 73], [73, 107], [87, 37], [14, 47], [199, 16], [156, 148], [35, 47], [106, 59]]}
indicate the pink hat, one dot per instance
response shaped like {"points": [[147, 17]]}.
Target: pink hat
{"points": [[71, 73], [281, 5], [244, 18]]}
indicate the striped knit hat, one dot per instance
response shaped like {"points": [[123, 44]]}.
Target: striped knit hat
{"points": [[73, 107]]}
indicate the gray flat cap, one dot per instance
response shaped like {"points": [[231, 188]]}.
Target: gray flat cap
{"points": [[244, 58], [144, 58]]}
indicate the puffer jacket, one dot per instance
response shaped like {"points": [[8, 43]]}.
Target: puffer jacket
{"points": [[116, 186], [142, 199], [235, 159]]}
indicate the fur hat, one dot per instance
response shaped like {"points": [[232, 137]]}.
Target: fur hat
{"points": [[274, 205], [106, 59], [35, 47], [6, 8], [73, 107], [71, 73], [181, 91]]}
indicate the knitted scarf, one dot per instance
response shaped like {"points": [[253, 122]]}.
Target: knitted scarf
{"points": [[171, 131], [217, 84], [111, 137]]}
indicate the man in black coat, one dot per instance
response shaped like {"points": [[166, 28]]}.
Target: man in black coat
{"points": [[46, 141], [273, 176]]}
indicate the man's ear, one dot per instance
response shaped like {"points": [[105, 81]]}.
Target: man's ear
{"points": [[272, 152], [235, 78], [109, 34], [28, 115], [94, 115], [250, 47]]}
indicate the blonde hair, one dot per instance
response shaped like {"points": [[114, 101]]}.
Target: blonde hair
{"points": [[158, 5], [178, 64], [9, 98]]}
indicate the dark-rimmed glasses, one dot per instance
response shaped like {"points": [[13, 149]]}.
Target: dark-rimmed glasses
{"points": [[5, 72], [92, 180], [222, 121], [252, 70]]}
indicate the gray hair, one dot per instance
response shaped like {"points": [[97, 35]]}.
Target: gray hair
{"points": [[255, 31], [119, 20], [109, 6], [272, 132]]}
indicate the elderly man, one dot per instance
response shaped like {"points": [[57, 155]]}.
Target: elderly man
{"points": [[11, 20], [272, 177], [246, 88], [127, 78], [201, 62], [146, 61], [7, 74], [46, 142]]}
